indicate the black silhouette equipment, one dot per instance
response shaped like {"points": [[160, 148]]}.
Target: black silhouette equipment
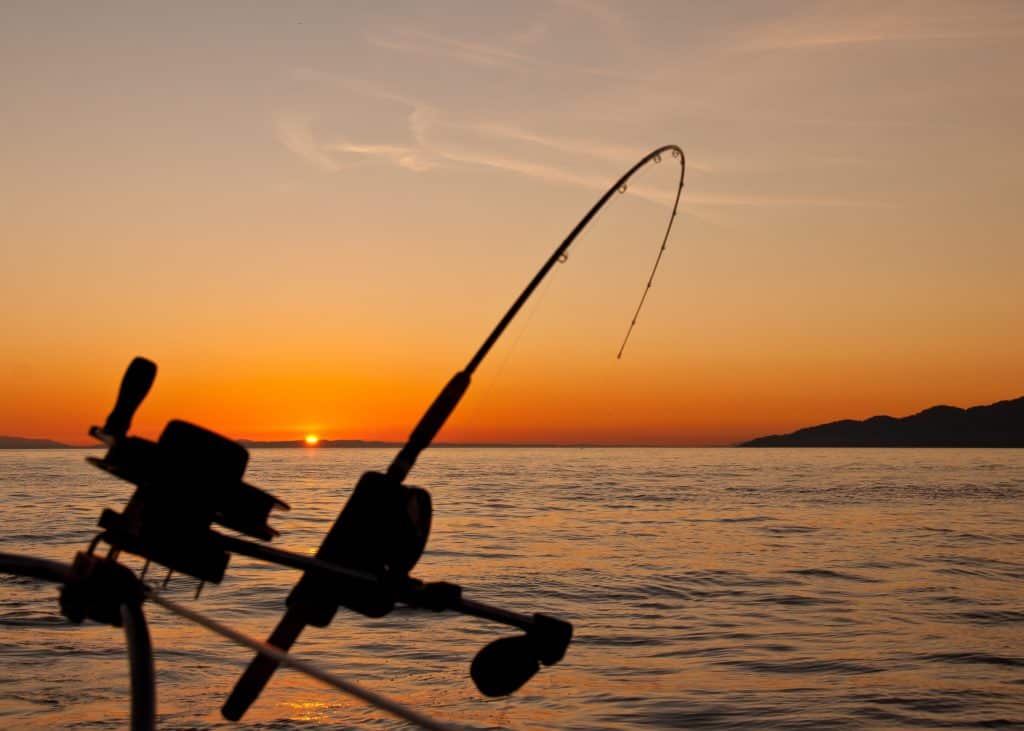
{"points": [[189, 484]]}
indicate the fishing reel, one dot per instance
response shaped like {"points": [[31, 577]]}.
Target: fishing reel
{"points": [[191, 478], [185, 481], [382, 530]]}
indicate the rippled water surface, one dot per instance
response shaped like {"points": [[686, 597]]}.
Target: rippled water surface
{"points": [[710, 588]]}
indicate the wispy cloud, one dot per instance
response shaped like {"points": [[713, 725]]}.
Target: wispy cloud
{"points": [[434, 140], [596, 149], [596, 10], [573, 145], [424, 119], [611, 22], [428, 149], [402, 156], [418, 41], [295, 133], [427, 127], [487, 54], [535, 170], [835, 24], [362, 87], [782, 201]]}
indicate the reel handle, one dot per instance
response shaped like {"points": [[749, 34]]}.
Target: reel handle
{"points": [[138, 379]]}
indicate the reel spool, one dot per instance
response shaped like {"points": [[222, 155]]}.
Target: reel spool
{"points": [[187, 480]]}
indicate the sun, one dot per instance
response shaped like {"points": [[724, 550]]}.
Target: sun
{"points": [[312, 440]]}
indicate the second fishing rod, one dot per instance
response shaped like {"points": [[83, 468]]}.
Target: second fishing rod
{"points": [[384, 526]]}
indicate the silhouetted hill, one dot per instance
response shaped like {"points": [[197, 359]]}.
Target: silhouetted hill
{"points": [[997, 425], [23, 443]]}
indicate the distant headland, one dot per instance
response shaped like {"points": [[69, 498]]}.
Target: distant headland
{"points": [[23, 443], [997, 425]]}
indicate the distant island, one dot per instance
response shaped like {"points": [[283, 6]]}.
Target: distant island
{"points": [[997, 425], [23, 443]]}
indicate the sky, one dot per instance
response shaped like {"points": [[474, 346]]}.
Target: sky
{"points": [[311, 214]]}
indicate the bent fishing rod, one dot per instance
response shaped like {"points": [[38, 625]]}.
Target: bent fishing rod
{"points": [[380, 502], [192, 478]]}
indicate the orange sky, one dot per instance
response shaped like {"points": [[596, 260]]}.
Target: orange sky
{"points": [[311, 216]]}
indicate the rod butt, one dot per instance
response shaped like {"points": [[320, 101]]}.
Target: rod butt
{"points": [[260, 670]]}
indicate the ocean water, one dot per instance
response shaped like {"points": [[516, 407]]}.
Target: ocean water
{"points": [[709, 588]]}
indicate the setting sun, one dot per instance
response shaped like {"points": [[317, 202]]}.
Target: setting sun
{"points": [[312, 440]]}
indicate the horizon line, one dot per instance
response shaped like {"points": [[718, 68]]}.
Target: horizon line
{"points": [[373, 444]]}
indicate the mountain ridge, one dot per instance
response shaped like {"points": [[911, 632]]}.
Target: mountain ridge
{"points": [[1000, 424]]}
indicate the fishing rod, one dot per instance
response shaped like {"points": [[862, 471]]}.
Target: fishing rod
{"points": [[191, 479], [364, 535]]}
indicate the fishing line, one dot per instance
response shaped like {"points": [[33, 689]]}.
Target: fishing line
{"points": [[650, 279], [661, 251], [303, 666], [560, 254]]}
